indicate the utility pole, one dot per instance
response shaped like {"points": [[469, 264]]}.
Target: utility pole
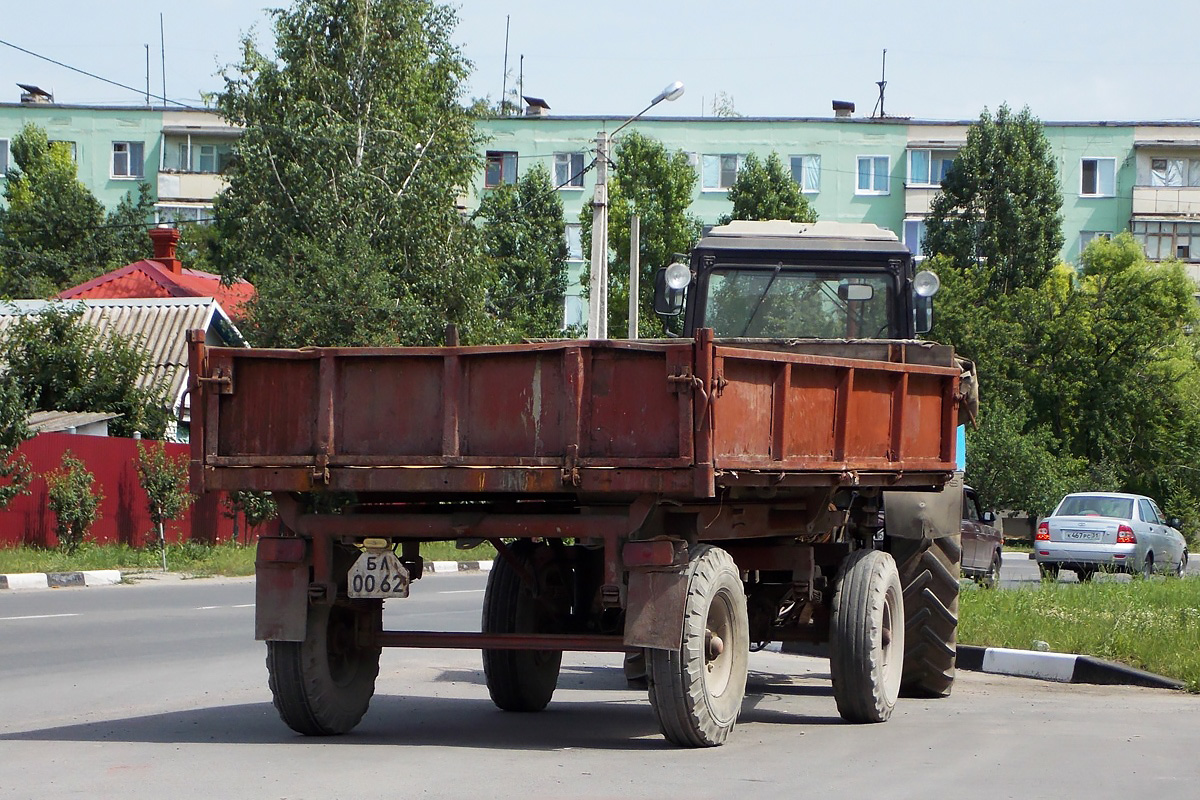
{"points": [[598, 285], [635, 268]]}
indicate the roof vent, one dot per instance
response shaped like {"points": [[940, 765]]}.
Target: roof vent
{"points": [[34, 94], [842, 108], [536, 106]]}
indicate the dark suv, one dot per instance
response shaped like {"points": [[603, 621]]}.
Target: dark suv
{"points": [[982, 544]]}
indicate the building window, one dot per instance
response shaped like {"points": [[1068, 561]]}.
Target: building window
{"points": [[1086, 238], [568, 170], [806, 172], [1166, 240], [914, 237], [1098, 177], [1175, 172], [929, 167], [501, 168], [128, 160], [720, 171], [206, 158], [574, 241], [71, 148], [873, 174], [3, 157], [178, 214]]}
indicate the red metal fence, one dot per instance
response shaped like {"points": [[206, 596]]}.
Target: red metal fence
{"points": [[123, 515]]}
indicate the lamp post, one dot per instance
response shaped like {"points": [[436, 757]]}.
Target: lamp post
{"points": [[598, 285]]}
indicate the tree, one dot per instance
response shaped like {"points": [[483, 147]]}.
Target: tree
{"points": [[255, 507], [999, 205], [525, 233], [74, 501], [355, 142], [54, 232], [767, 191], [14, 468], [722, 105], [164, 480], [657, 186], [62, 364]]}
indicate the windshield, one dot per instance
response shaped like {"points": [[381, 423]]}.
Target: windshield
{"points": [[1090, 505], [787, 303]]}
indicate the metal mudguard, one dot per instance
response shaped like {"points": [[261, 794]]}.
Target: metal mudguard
{"points": [[925, 515]]}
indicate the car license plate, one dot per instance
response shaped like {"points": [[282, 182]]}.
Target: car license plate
{"points": [[378, 575], [1082, 536]]}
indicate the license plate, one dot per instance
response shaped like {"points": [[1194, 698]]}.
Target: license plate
{"points": [[1082, 536], [378, 575]]}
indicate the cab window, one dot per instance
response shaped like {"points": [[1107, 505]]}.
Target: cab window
{"points": [[793, 303]]}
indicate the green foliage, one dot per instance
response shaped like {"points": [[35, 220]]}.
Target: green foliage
{"points": [[657, 186], [54, 233], [356, 149], [197, 246], [74, 500], [767, 191], [524, 231], [164, 480], [255, 507], [1088, 380], [14, 469], [63, 364], [1000, 203]]}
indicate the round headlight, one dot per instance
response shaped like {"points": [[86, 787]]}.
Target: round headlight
{"points": [[678, 276], [926, 283]]}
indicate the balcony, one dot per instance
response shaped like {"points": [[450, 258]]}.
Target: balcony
{"points": [[189, 185], [918, 198], [1159, 201]]}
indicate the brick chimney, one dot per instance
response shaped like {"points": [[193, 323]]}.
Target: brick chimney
{"points": [[165, 241]]}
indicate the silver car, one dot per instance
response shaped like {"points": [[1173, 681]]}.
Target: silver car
{"points": [[1111, 532]]}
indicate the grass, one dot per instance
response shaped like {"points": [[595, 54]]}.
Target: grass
{"points": [[192, 558], [1149, 624]]}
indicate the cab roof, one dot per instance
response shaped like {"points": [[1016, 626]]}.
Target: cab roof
{"points": [[776, 235]]}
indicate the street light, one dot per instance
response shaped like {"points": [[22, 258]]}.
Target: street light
{"points": [[598, 285]]}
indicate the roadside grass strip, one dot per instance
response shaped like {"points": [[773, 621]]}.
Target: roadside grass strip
{"points": [[1151, 625]]}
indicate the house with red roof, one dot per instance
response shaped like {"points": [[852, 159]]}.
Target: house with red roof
{"points": [[163, 276]]}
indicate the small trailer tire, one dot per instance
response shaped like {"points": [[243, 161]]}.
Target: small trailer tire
{"points": [[696, 691], [866, 637], [522, 680], [929, 572], [323, 685]]}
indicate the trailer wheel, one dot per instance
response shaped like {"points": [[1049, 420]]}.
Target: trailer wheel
{"points": [[929, 572], [866, 637], [524, 680], [323, 685], [696, 691]]}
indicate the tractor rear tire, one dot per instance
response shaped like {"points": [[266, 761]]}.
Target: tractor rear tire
{"points": [[929, 573]]}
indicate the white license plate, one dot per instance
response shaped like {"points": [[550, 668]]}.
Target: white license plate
{"points": [[1082, 536], [378, 575]]}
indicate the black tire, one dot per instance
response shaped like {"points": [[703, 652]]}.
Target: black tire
{"points": [[1177, 571], [929, 572], [1148, 566], [1049, 572], [524, 680], [323, 685], [866, 637], [1085, 574], [696, 691], [991, 578]]}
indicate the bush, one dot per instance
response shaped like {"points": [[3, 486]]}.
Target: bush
{"points": [[74, 500]]}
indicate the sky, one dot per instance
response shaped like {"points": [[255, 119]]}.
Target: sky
{"points": [[1099, 60]]}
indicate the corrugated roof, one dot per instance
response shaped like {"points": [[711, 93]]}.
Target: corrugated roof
{"points": [[160, 325], [51, 421]]}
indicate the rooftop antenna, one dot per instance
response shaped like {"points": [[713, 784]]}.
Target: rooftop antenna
{"points": [[162, 39], [147, 76], [882, 84], [504, 86], [521, 77]]}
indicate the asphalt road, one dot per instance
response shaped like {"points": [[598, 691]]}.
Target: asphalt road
{"points": [[159, 690], [1018, 569]]}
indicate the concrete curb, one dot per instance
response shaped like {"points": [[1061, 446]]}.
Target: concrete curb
{"points": [[1062, 667], [57, 580], [108, 577]]}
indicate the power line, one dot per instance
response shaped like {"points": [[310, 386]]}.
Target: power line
{"points": [[98, 77]]}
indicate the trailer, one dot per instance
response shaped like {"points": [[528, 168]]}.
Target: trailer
{"points": [[676, 500]]}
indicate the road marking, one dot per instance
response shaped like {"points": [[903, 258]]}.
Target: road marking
{"points": [[210, 608], [464, 591], [37, 616]]}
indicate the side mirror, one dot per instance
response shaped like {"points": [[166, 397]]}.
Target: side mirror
{"points": [[923, 311], [988, 517], [670, 289], [1174, 522]]}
